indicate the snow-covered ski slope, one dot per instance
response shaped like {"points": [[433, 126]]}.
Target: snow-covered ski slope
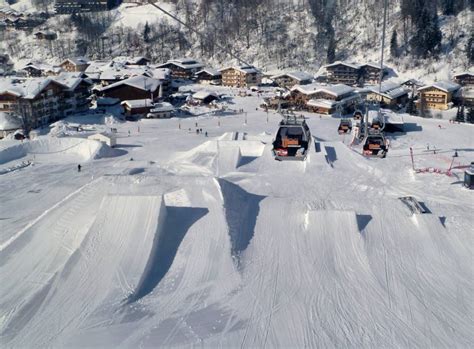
{"points": [[210, 242]]}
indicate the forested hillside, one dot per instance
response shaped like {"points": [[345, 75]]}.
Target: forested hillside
{"points": [[269, 33]]}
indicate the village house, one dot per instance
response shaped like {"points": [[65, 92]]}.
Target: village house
{"points": [[209, 76], [301, 94], [464, 96], [353, 73], [371, 72], [138, 87], [38, 101], [184, 68], [343, 73], [464, 78], [45, 35], [438, 95], [161, 110], [392, 95], [288, 80], [137, 107], [139, 60], [323, 99], [77, 64], [243, 76], [204, 97], [77, 92], [37, 69]]}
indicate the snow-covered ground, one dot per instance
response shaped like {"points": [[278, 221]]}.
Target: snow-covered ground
{"points": [[209, 241]]}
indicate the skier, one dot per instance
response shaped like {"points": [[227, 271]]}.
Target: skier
{"points": [[205, 134], [79, 168], [129, 133]]}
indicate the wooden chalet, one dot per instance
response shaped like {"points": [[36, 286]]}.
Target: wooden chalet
{"points": [[78, 64], [137, 87], [343, 73], [182, 68], [209, 76], [391, 95], [465, 78], [243, 76], [438, 95], [288, 80]]}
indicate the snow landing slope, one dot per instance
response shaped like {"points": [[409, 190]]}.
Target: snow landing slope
{"points": [[223, 246]]}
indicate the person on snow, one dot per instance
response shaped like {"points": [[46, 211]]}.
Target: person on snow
{"points": [[79, 168]]}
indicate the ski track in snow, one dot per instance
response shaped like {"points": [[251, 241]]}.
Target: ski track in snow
{"points": [[222, 246]]}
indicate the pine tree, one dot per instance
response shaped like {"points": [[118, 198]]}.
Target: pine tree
{"points": [[146, 33], [411, 108], [433, 36], [470, 49], [470, 116], [331, 54], [447, 7], [460, 115], [394, 45]]}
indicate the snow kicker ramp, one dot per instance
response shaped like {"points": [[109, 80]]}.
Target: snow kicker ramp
{"points": [[99, 275], [316, 280], [57, 149]]}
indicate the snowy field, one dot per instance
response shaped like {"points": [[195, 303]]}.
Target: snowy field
{"points": [[208, 241]]}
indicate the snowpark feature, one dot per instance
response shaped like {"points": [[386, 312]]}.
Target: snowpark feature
{"points": [[209, 241], [59, 149]]}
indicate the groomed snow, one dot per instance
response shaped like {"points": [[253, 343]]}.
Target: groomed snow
{"points": [[208, 241]]}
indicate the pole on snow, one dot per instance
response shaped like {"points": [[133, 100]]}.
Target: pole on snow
{"points": [[412, 159]]}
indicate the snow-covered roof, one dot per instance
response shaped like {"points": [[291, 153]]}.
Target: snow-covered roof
{"points": [[209, 71], [42, 66], [348, 64], [244, 69], [138, 103], [96, 66], [27, 88], [335, 90], [140, 82], [129, 60], [159, 73], [297, 75], [321, 103], [9, 122], [467, 73], [71, 80], [162, 107], [76, 60], [185, 63], [390, 90], [373, 65], [446, 86], [203, 94]]}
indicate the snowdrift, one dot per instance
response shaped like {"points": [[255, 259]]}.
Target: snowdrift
{"points": [[57, 149]]}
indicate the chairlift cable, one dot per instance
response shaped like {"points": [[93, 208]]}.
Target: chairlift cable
{"points": [[382, 118], [201, 35]]}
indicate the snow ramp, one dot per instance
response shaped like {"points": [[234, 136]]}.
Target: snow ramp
{"points": [[99, 275], [67, 149], [425, 275]]}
